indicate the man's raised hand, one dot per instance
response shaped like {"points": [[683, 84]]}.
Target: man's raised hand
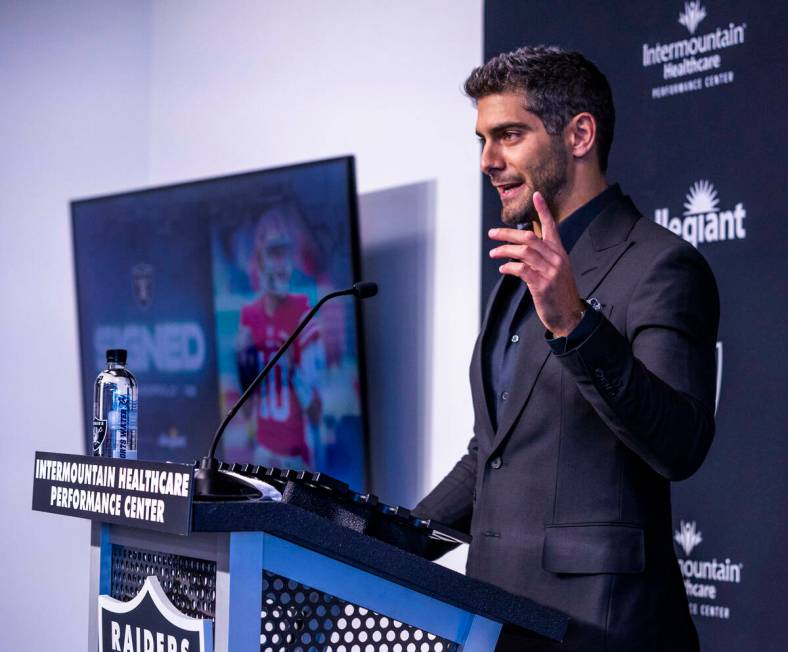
{"points": [[544, 265]]}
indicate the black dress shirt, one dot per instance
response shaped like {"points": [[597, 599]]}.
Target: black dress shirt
{"points": [[515, 305]]}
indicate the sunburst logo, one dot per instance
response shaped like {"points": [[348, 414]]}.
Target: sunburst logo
{"points": [[704, 220], [687, 536], [701, 198], [692, 15]]}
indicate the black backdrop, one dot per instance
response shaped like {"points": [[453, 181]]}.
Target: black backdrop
{"points": [[700, 145]]}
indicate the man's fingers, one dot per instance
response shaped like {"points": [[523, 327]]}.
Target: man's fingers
{"points": [[515, 236], [508, 251], [530, 276], [535, 268], [535, 250], [549, 229], [539, 260], [521, 270], [515, 269]]}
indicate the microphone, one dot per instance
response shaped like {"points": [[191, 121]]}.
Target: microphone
{"points": [[209, 482], [365, 289]]}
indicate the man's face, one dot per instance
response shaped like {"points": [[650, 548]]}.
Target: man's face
{"points": [[276, 268], [274, 248], [519, 156]]}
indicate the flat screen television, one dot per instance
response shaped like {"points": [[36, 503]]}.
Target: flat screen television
{"points": [[201, 282]]}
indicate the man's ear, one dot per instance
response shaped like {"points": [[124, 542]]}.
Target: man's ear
{"points": [[581, 134]]}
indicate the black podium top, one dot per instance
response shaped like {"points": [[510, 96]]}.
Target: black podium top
{"points": [[158, 496], [312, 531]]}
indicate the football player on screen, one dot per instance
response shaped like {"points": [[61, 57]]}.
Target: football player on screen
{"points": [[287, 406]]}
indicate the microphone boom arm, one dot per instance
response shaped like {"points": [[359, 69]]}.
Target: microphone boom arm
{"points": [[209, 482], [280, 352]]}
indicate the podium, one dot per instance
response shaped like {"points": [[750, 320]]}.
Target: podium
{"points": [[274, 577]]}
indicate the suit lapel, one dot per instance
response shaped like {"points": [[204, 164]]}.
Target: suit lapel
{"points": [[477, 377], [602, 244], [594, 255]]}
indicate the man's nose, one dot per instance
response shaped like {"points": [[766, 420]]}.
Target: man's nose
{"points": [[491, 160]]}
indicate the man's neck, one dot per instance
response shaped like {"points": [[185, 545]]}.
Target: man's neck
{"points": [[271, 303], [579, 194]]}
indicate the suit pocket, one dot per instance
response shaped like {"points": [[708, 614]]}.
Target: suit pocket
{"points": [[592, 548]]}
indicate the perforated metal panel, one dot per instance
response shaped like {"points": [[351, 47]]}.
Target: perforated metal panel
{"points": [[189, 583], [297, 618]]}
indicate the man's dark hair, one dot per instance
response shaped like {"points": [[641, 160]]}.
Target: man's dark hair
{"points": [[559, 84]]}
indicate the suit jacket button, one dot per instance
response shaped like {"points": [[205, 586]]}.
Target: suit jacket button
{"points": [[496, 463]]}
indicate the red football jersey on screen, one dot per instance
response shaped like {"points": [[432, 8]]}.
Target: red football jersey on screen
{"points": [[280, 419]]}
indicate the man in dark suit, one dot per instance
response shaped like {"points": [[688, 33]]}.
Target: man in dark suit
{"points": [[592, 378]]}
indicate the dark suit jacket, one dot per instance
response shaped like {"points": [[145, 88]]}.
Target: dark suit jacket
{"points": [[568, 502]]}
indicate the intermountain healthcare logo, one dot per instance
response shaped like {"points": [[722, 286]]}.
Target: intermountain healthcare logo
{"points": [[696, 55], [687, 537], [703, 221], [692, 15], [711, 572]]}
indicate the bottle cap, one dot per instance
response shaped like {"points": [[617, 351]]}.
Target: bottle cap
{"points": [[118, 356]]}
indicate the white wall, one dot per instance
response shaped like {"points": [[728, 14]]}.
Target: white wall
{"points": [[293, 80], [73, 122], [398, 252], [104, 97]]}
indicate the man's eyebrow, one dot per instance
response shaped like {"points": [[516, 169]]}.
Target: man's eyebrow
{"points": [[499, 129]]}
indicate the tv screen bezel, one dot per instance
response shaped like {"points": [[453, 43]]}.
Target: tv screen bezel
{"points": [[355, 257]]}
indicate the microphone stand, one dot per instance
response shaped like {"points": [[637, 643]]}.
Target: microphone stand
{"points": [[210, 484]]}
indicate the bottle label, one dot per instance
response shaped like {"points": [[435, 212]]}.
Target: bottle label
{"points": [[123, 425], [99, 434]]}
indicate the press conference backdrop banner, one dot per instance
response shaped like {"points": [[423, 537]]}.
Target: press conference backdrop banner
{"points": [[700, 146]]}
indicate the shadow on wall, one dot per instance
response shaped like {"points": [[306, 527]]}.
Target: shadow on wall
{"points": [[397, 229]]}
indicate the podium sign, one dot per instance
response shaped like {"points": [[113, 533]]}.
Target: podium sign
{"points": [[150, 623], [150, 495]]}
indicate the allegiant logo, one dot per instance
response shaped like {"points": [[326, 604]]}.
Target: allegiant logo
{"points": [[703, 221]]}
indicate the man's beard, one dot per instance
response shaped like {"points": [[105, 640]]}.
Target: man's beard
{"points": [[548, 178]]}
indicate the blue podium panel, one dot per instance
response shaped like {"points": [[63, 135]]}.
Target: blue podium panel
{"points": [[321, 568], [243, 595], [267, 594], [192, 571], [275, 578], [376, 604]]}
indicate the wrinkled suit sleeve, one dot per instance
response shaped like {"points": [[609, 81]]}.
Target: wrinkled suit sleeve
{"points": [[654, 385]]}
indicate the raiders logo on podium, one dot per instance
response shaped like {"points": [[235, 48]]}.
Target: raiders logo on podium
{"points": [[150, 623]]}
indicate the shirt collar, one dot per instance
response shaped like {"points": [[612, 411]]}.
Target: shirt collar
{"points": [[573, 226]]}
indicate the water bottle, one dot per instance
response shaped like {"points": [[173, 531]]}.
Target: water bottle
{"points": [[115, 409]]}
